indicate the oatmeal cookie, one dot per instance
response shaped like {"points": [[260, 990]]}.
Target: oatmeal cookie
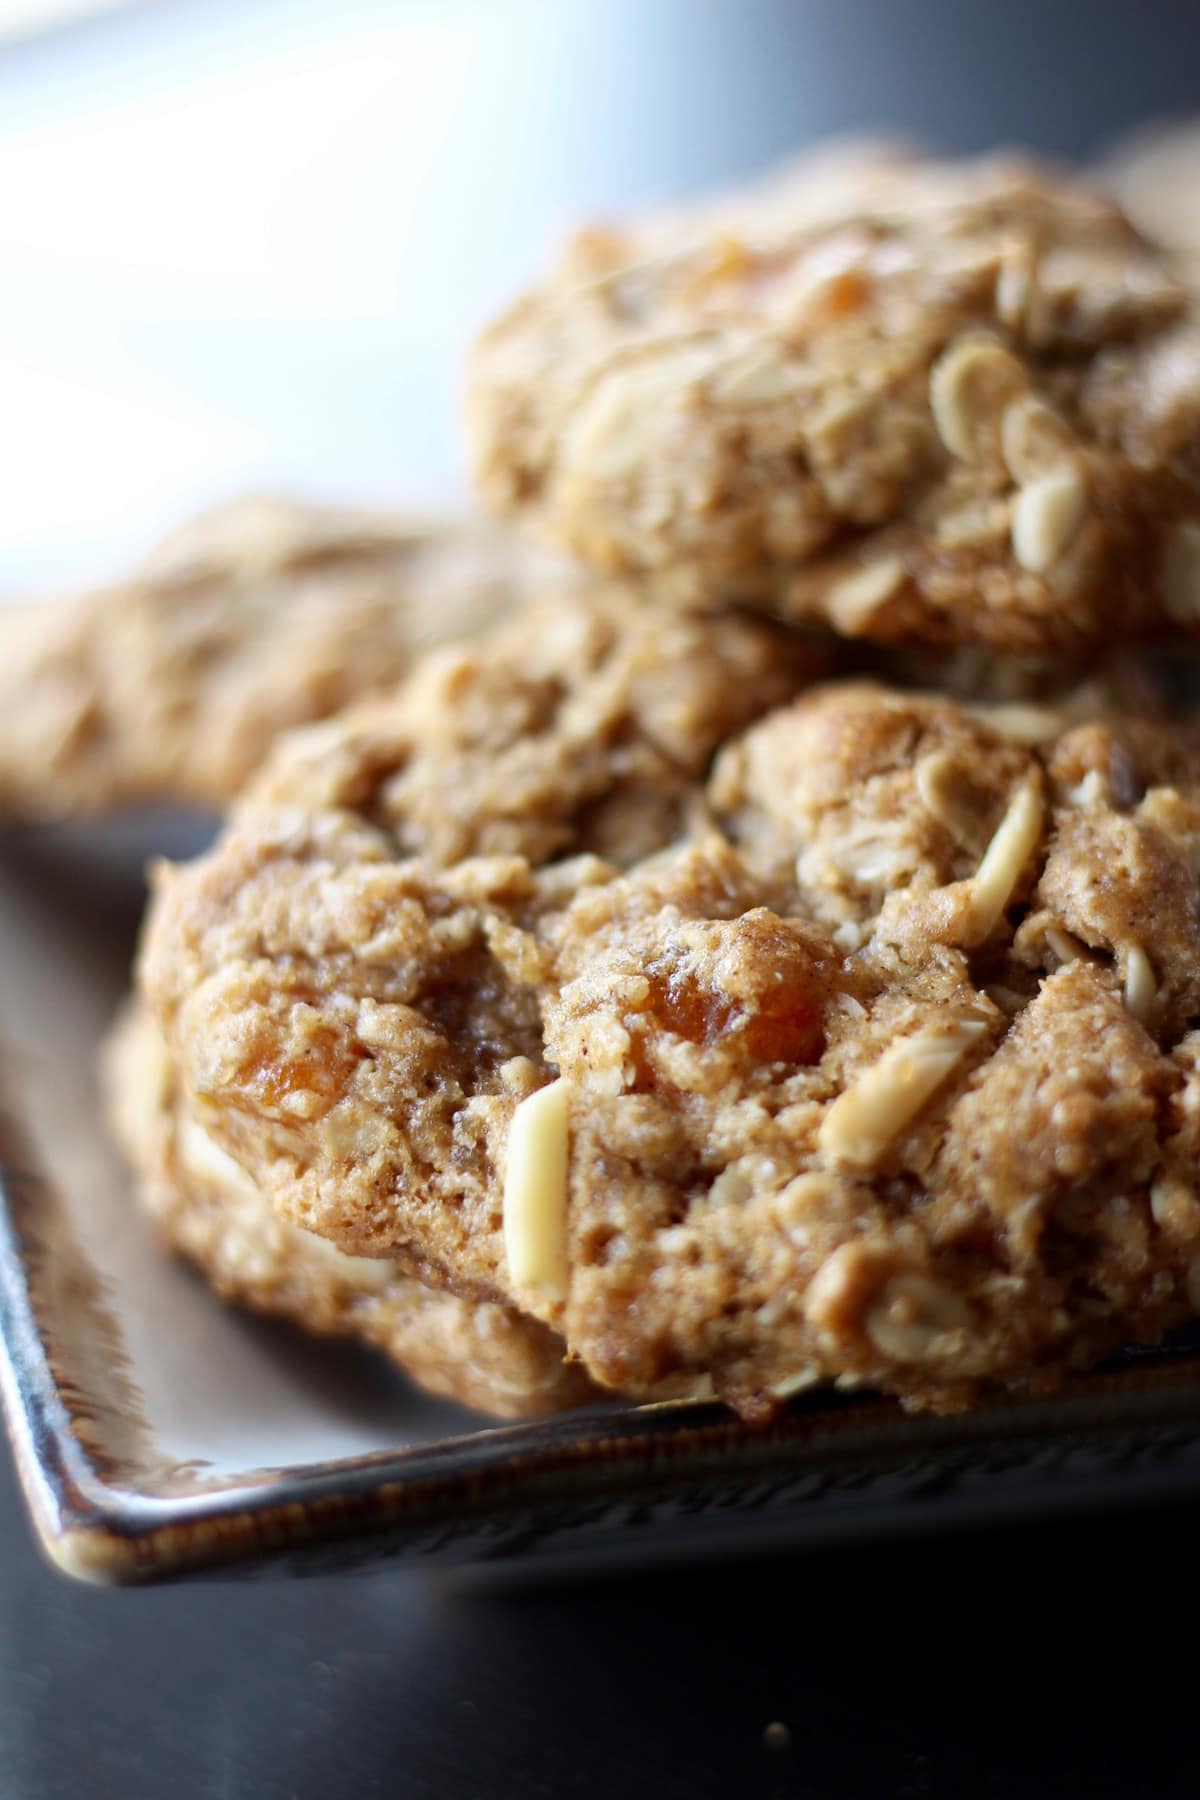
{"points": [[919, 402], [482, 1355], [1154, 174], [747, 1034], [259, 615]]}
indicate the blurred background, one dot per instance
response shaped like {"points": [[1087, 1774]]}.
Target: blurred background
{"points": [[244, 242]]}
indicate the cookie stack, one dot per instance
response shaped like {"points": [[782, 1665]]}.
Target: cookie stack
{"points": [[640, 1000]]}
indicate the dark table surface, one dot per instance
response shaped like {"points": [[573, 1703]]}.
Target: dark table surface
{"points": [[1035, 1661]]}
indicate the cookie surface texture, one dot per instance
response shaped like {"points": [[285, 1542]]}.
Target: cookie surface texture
{"points": [[170, 687], [485, 1356], [919, 402]]}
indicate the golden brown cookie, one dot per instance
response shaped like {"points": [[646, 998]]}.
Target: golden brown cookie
{"points": [[485, 1356], [941, 403], [259, 615], [867, 1052], [1155, 176]]}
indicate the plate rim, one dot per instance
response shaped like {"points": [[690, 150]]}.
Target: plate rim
{"points": [[95, 1523]]}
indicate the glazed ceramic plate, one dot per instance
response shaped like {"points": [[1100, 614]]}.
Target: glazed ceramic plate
{"points": [[160, 1434]]}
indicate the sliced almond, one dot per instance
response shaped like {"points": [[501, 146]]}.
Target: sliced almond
{"points": [[1013, 843], [972, 382], [916, 1320], [869, 1115], [1141, 983], [1034, 439], [1046, 515], [535, 1193], [855, 600]]}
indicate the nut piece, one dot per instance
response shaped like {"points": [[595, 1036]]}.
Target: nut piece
{"points": [[535, 1192], [1018, 720], [1066, 947], [1046, 516], [210, 1165], [839, 1289], [1141, 983], [1034, 439], [865, 1119], [915, 1319], [760, 377], [1181, 573], [1013, 843], [1015, 286], [945, 792], [854, 601], [796, 1384], [972, 383]]}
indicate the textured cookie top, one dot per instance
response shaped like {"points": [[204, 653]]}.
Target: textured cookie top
{"points": [[256, 616], [585, 723], [943, 403], [875, 1048]]}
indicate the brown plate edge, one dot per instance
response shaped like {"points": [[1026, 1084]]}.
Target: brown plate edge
{"points": [[108, 1508]]}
